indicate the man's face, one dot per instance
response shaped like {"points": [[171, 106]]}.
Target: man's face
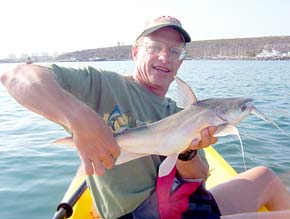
{"points": [[157, 60]]}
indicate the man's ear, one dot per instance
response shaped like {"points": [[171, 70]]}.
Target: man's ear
{"points": [[134, 52]]}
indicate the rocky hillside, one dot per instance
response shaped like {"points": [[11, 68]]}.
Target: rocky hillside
{"points": [[100, 54], [236, 48], [240, 48]]}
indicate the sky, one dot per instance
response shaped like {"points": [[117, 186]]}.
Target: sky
{"points": [[58, 26]]}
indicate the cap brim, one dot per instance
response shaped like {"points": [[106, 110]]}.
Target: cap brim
{"points": [[150, 30]]}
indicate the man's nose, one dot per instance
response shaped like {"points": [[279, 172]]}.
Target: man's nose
{"points": [[164, 55]]}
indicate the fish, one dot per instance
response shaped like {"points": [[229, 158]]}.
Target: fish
{"points": [[173, 134]]}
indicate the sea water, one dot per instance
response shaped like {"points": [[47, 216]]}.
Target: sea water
{"points": [[35, 173]]}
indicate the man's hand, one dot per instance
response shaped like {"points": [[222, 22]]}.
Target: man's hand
{"points": [[207, 139], [31, 84], [196, 168], [95, 142]]}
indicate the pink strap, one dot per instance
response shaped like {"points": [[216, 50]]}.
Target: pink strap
{"points": [[173, 205]]}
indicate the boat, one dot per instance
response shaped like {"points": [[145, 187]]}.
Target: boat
{"points": [[79, 197]]}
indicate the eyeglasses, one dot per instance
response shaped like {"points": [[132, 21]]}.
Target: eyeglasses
{"points": [[155, 48]]}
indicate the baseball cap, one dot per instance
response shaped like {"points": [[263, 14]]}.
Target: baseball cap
{"points": [[164, 21]]}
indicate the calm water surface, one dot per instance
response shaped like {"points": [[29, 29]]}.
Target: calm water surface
{"points": [[35, 174]]}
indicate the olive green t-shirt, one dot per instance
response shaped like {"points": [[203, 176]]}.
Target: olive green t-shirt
{"points": [[125, 186]]}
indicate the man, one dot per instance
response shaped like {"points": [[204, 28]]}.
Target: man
{"points": [[88, 102]]}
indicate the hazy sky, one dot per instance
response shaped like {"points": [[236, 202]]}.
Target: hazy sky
{"points": [[36, 26]]}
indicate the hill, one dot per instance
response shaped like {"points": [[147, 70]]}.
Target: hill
{"points": [[239, 48]]}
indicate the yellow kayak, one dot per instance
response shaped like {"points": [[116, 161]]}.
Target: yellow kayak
{"points": [[220, 171]]}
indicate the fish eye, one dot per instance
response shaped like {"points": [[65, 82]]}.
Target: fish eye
{"points": [[244, 107]]}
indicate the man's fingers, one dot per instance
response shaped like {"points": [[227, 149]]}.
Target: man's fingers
{"points": [[115, 152], [107, 161], [207, 136], [212, 130], [98, 164], [193, 145], [99, 168], [89, 169]]}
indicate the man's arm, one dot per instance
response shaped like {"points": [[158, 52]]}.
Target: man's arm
{"points": [[195, 168], [35, 88]]}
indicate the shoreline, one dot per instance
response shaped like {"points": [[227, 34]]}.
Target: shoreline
{"points": [[19, 61]]}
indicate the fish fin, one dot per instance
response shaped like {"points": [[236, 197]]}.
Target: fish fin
{"points": [[167, 165], [186, 96], [66, 141], [126, 156], [225, 130]]}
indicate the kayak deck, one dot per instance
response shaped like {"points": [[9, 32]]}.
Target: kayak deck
{"points": [[220, 171]]}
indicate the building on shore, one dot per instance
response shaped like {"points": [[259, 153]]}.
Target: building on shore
{"points": [[273, 55]]}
